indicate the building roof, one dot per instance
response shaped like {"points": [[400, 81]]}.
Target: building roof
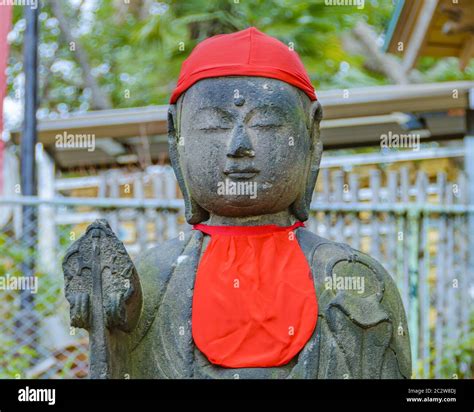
{"points": [[436, 28]]}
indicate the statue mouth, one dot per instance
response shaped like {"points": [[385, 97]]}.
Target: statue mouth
{"points": [[241, 174]]}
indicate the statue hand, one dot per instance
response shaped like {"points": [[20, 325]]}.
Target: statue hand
{"points": [[79, 308], [100, 255]]}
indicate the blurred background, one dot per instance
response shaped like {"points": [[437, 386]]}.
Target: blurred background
{"points": [[395, 79]]}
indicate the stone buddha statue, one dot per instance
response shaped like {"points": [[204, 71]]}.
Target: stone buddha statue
{"points": [[249, 292]]}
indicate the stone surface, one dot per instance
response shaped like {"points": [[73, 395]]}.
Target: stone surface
{"points": [[265, 133], [103, 290]]}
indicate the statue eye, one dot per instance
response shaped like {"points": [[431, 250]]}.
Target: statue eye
{"points": [[214, 127], [212, 119], [265, 125], [265, 121], [214, 123]]}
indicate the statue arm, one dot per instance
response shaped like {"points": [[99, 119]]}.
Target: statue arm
{"points": [[155, 267], [396, 359], [399, 351], [369, 310], [115, 300]]}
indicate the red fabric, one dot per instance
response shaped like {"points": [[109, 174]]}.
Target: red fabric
{"points": [[244, 53], [244, 230], [254, 302], [5, 22]]}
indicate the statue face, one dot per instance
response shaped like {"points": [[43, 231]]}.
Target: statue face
{"points": [[244, 145]]}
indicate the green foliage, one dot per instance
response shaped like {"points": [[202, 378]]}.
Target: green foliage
{"points": [[13, 254], [136, 50], [135, 55], [16, 357], [457, 360], [436, 70]]}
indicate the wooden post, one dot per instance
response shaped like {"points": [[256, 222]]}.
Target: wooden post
{"points": [[402, 230], [451, 319], [469, 168], [171, 218], [326, 199], [338, 188], [440, 276], [464, 235], [355, 222], [112, 178], [423, 285], [47, 235], [392, 186], [375, 244], [413, 244], [141, 222]]}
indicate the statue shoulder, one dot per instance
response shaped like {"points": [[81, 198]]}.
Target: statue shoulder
{"points": [[329, 259], [156, 264], [155, 267], [356, 284]]}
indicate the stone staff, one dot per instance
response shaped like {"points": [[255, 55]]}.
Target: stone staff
{"points": [[103, 291], [99, 364]]}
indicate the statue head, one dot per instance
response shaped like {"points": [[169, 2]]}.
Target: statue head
{"points": [[245, 146]]}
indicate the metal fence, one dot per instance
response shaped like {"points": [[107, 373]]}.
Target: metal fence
{"points": [[419, 232], [417, 228]]}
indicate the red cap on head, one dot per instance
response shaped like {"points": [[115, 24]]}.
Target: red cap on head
{"points": [[245, 53]]}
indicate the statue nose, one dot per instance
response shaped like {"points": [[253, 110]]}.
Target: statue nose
{"points": [[240, 145]]}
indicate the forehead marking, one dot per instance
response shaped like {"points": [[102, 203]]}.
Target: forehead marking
{"points": [[239, 100]]}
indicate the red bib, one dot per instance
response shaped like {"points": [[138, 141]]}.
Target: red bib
{"points": [[254, 302]]}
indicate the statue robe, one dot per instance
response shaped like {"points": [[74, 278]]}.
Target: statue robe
{"points": [[358, 335]]}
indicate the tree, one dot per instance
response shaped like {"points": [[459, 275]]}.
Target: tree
{"points": [[129, 55]]}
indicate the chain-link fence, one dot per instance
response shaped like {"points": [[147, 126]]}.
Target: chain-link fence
{"points": [[36, 340]]}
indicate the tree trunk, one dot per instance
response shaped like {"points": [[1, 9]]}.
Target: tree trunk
{"points": [[99, 99]]}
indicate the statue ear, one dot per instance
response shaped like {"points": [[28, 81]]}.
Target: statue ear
{"points": [[301, 207], [193, 212]]}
